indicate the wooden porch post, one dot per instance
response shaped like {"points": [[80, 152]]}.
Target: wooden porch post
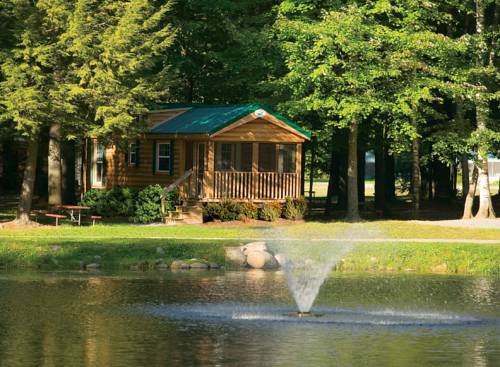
{"points": [[255, 171], [209, 172], [298, 169]]}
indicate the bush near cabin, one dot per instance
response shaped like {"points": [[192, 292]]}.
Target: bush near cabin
{"points": [[230, 210], [139, 207]]}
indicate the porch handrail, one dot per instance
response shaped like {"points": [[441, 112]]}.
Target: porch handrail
{"points": [[256, 185], [172, 187]]}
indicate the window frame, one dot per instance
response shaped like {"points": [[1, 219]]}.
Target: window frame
{"points": [[158, 157], [95, 182], [132, 150]]}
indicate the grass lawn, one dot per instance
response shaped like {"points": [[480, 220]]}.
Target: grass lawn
{"points": [[306, 230], [122, 245]]}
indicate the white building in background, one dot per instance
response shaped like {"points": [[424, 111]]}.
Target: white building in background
{"points": [[493, 168]]}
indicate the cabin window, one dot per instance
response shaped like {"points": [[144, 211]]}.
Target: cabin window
{"points": [[132, 154], [267, 157], [98, 165], [163, 157], [233, 157], [226, 157], [286, 158], [277, 157]]}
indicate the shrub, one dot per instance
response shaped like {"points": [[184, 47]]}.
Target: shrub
{"points": [[294, 208], [226, 210], [249, 210], [92, 199], [270, 211], [148, 204], [117, 202]]}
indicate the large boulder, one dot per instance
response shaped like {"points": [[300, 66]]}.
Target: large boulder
{"points": [[254, 246], [179, 264], [199, 265], [234, 256], [261, 260]]}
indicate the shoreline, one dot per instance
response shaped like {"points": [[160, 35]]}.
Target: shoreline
{"points": [[392, 256]]}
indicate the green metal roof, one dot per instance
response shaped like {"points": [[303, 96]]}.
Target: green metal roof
{"points": [[208, 119]]}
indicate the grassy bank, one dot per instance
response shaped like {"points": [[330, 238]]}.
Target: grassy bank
{"points": [[456, 258], [308, 230]]}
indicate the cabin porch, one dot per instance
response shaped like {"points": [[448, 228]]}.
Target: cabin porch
{"points": [[254, 171]]}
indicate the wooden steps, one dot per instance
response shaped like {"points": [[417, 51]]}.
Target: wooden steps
{"points": [[185, 214]]}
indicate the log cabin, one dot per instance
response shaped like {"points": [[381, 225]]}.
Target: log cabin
{"points": [[242, 152]]}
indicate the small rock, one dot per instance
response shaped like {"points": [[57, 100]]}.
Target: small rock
{"points": [[160, 251], [179, 264], [235, 256], [198, 265], [93, 266], [254, 246], [214, 266], [55, 247]]}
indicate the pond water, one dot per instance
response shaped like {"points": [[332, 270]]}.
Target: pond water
{"points": [[244, 318]]}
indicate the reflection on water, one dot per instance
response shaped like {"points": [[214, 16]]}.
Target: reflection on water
{"points": [[242, 318]]}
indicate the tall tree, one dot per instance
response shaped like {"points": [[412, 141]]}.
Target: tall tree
{"points": [[90, 66]]}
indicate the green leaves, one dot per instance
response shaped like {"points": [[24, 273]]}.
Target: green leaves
{"points": [[93, 66]]}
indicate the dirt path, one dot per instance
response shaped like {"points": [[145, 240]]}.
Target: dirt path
{"points": [[464, 223]]}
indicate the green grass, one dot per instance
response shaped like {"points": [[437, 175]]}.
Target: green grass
{"points": [[454, 258], [122, 245], [365, 257], [372, 229], [44, 253]]}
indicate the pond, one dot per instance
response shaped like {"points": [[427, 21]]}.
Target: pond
{"points": [[245, 318]]}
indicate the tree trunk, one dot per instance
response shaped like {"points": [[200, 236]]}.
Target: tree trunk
{"points": [[482, 110], [352, 173], [68, 172], [390, 179], [471, 193], [416, 179], [54, 165], [465, 175], [380, 184], [485, 204], [28, 185]]}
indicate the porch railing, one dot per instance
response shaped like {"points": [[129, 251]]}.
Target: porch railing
{"points": [[255, 186]]}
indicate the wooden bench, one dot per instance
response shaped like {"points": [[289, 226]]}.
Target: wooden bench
{"points": [[94, 218], [37, 213], [56, 216]]}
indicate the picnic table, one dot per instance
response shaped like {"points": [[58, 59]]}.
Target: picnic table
{"points": [[72, 209]]}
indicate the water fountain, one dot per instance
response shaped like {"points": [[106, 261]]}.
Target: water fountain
{"points": [[307, 267]]}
